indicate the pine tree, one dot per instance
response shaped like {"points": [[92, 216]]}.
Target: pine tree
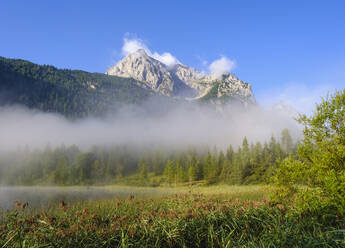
{"points": [[180, 172], [97, 172], [169, 172], [210, 169], [220, 162], [193, 168], [157, 164], [286, 141], [83, 167], [256, 163], [245, 160], [230, 153], [61, 172], [226, 170], [143, 171], [235, 175], [192, 174]]}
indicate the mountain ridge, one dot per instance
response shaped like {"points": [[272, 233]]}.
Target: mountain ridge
{"points": [[180, 80], [78, 94]]}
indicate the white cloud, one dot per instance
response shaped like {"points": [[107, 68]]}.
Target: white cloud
{"points": [[166, 58], [217, 67], [134, 44], [221, 66]]}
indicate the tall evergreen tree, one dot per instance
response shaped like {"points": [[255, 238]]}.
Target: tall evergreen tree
{"points": [[61, 172], [286, 141], [169, 172], [180, 172], [143, 170]]}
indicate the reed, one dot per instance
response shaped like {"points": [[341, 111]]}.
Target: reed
{"points": [[202, 217]]}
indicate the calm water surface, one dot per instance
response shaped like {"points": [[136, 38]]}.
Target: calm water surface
{"points": [[41, 196]]}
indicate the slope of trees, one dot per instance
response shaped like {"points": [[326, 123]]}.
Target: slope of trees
{"points": [[248, 164], [72, 93]]}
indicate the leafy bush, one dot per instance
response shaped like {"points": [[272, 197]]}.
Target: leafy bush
{"points": [[315, 179]]}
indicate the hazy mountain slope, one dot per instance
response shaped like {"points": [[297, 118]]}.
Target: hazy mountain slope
{"points": [[182, 81], [72, 93]]}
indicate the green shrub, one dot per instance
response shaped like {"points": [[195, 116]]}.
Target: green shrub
{"points": [[315, 179]]}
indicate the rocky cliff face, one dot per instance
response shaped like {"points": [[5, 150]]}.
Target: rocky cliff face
{"points": [[181, 80]]}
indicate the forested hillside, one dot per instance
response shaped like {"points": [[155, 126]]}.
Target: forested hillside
{"points": [[73, 93]]}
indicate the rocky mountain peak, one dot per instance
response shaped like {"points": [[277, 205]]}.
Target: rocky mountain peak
{"points": [[141, 52], [180, 80]]}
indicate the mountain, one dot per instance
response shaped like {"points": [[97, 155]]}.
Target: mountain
{"points": [[134, 80], [182, 81], [285, 108], [72, 93]]}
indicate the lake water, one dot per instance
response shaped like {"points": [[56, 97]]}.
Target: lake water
{"points": [[41, 196]]}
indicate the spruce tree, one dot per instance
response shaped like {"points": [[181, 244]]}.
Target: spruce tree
{"points": [[169, 172], [286, 141]]}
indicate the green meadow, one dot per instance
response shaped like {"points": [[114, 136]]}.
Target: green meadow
{"points": [[213, 216]]}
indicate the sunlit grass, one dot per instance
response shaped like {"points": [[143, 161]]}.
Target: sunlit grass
{"points": [[215, 216]]}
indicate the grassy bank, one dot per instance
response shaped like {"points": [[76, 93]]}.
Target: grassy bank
{"points": [[217, 216]]}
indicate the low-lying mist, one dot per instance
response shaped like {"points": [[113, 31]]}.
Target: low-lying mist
{"points": [[150, 124]]}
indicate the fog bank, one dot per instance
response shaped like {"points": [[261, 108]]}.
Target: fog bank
{"points": [[181, 125]]}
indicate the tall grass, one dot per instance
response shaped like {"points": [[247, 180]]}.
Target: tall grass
{"points": [[197, 217]]}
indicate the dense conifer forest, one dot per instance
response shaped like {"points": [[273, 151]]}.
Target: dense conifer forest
{"points": [[72, 93], [247, 164]]}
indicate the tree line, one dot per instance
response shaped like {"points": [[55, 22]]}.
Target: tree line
{"points": [[248, 163]]}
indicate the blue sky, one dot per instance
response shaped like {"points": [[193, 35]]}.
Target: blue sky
{"points": [[292, 51]]}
